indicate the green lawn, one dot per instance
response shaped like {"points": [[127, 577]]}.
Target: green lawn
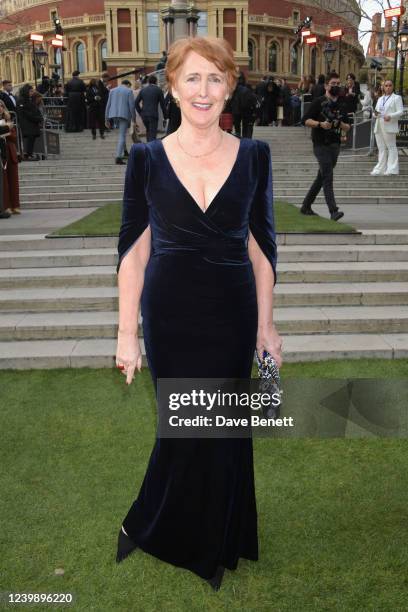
{"points": [[75, 445], [105, 221]]}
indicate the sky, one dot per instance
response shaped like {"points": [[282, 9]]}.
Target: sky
{"points": [[371, 7]]}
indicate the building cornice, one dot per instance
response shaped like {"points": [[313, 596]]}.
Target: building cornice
{"points": [[287, 23], [43, 27]]}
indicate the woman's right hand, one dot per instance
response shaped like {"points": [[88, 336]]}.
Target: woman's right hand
{"points": [[128, 354]]}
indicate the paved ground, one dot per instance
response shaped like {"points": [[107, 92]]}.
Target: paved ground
{"points": [[41, 221]]}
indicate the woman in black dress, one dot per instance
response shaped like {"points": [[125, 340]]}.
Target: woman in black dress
{"points": [[197, 249], [30, 120]]}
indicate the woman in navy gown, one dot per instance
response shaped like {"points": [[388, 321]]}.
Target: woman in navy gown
{"points": [[197, 251]]}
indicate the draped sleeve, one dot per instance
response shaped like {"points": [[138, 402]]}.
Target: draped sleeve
{"points": [[135, 210], [261, 217]]}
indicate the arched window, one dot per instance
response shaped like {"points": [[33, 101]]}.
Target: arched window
{"points": [[80, 63], [273, 57], [294, 59], [103, 55], [313, 59], [7, 69], [20, 68], [251, 54], [202, 23], [58, 59]]}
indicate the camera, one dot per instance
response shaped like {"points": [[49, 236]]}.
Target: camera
{"points": [[332, 115]]}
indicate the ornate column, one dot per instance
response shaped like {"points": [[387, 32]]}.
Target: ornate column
{"points": [[168, 30], [192, 25], [115, 31], [28, 66], [13, 67], [133, 31], [91, 55], [285, 68], [108, 30], [180, 20], [263, 62]]}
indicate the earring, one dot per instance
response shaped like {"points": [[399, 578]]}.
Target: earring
{"points": [[177, 101]]}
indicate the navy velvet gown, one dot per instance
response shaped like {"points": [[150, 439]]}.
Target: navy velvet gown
{"points": [[196, 507]]}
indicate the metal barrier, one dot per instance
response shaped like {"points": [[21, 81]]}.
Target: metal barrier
{"points": [[54, 113], [402, 136]]}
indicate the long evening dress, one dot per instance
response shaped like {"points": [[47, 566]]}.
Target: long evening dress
{"points": [[196, 507]]}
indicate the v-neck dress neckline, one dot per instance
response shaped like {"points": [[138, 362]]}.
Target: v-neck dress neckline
{"points": [[204, 212]]}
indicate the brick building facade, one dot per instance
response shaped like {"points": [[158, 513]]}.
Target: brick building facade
{"points": [[382, 41], [121, 35]]}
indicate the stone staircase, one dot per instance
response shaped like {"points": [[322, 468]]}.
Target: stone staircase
{"points": [[338, 295], [85, 175], [349, 298]]}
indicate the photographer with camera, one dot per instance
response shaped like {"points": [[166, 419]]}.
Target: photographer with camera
{"points": [[328, 121]]}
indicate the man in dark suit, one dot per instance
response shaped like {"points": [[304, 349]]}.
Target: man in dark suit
{"points": [[76, 109], [7, 96], [151, 96]]}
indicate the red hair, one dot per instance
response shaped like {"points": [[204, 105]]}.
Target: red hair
{"points": [[215, 50]]}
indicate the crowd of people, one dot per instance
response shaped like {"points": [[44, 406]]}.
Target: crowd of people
{"points": [[138, 110]]}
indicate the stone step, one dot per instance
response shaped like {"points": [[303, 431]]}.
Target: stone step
{"points": [[287, 254], [320, 274], [66, 172], [39, 242], [85, 183], [114, 189], [44, 295], [70, 163], [71, 203], [58, 257], [356, 200], [100, 353], [353, 182], [289, 321], [74, 194], [84, 276], [30, 242], [361, 192], [98, 199], [87, 179]]}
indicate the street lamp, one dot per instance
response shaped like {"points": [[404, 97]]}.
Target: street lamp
{"points": [[390, 13], [329, 52], [403, 50], [41, 57]]}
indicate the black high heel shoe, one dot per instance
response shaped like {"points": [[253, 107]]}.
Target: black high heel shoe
{"points": [[125, 546], [216, 580]]}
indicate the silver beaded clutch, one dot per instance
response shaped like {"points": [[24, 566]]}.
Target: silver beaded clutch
{"points": [[270, 382]]}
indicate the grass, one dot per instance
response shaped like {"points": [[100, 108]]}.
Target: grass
{"points": [[105, 221], [75, 446]]}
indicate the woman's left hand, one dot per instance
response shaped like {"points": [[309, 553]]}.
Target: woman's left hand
{"points": [[269, 340]]}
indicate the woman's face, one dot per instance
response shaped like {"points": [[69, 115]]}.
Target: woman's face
{"points": [[30, 92], [201, 89]]}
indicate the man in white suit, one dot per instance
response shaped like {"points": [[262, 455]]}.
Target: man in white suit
{"points": [[121, 108], [387, 111]]}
